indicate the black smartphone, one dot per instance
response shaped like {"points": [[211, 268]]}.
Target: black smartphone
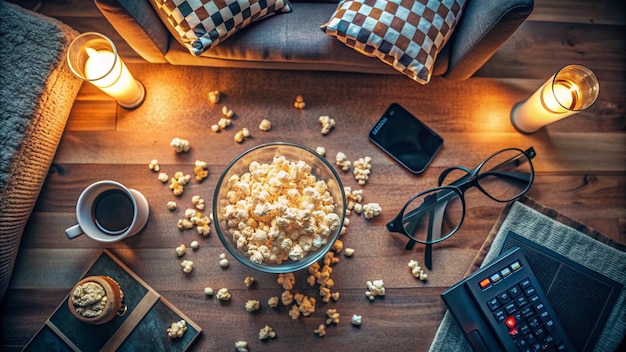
{"points": [[406, 139]]}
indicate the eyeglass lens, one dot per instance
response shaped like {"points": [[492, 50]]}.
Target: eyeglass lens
{"points": [[436, 214]]}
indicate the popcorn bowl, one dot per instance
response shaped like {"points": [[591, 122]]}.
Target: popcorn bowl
{"points": [[279, 207], [109, 303]]}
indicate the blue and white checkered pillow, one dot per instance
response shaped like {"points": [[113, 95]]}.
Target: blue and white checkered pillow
{"points": [[202, 24], [406, 34]]}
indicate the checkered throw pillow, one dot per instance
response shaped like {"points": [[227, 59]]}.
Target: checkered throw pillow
{"points": [[406, 34], [202, 24]]}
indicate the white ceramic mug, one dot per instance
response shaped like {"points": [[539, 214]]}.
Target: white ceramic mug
{"points": [[107, 211]]}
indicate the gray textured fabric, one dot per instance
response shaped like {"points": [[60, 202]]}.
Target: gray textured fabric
{"points": [[566, 241], [36, 94]]}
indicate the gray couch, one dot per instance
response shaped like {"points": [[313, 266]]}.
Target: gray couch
{"points": [[294, 40], [37, 91]]}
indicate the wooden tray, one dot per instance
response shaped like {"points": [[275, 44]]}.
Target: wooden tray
{"points": [[142, 328]]}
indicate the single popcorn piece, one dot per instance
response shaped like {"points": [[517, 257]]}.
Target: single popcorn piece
{"points": [[348, 252], [265, 125], [287, 280], [194, 245], [171, 205], [321, 151], [375, 288], [228, 113], [362, 169], [417, 270], [200, 170], [356, 320], [215, 128], [214, 96], [248, 281], [154, 165], [252, 305], [342, 160], [180, 145], [327, 124], [286, 297], [187, 266], [332, 317], [198, 202], [273, 301], [208, 291], [241, 135], [223, 261], [180, 250], [177, 329], [299, 103], [321, 330], [163, 177], [241, 346], [371, 210], [267, 333], [223, 123], [223, 294]]}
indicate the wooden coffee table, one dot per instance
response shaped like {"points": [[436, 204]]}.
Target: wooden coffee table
{"points": [[580, 170]]}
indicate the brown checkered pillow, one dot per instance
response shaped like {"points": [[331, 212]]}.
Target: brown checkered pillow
{"points": [[202, 24], [406, 34]]}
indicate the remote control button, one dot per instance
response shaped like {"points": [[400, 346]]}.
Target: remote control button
{"points": [[504, 297], [505, 272], [510, 322], [495, 278], [515, 291], [493, 304], [484, 283], [529, 291], [516, 266], [525, 283]]}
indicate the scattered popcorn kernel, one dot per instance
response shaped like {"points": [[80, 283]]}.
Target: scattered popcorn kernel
{"points": [[327, 124], [200, 170], [154, 165], [252, 305], [338, 246], [239, 136], [223, 294], [299, 103], [321, 330], [307, 306], [294, 312], [177, 329], [248, 281], [417, 270], [187, 266], [204, 230], [194, 245], [163, 177], [180, 250], [224, 261], [265, 125], [343, 161], [171, 205], [321, 151], [241, 346], [198, 202], [356, 319], [267, 333], [332, 317], [335, 296], [273, 301], [362, 169], [348, 252], [223, 123], [214, 96], [375, 288], [208, 291], [286, 298], [371, 210], [180, 145], [216, 128], [228, 113], [287, 280]]}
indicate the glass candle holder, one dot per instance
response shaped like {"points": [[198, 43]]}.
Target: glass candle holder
{"points": [[93, 57], [571, 89]]}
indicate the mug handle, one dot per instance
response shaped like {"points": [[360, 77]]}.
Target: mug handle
{"points": [[73, 232]]}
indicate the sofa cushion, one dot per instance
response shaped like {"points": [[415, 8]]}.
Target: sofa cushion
{"points": [[202, 24], [406, 34]]}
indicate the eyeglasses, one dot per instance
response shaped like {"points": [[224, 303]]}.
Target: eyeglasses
{"points": [[436, 214]]}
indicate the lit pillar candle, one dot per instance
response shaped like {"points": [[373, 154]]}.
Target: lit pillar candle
{"points": [[574, 88], [93, 57]]}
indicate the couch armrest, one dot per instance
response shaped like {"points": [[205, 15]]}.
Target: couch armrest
{"points": [[485, 25], [139, 25]]}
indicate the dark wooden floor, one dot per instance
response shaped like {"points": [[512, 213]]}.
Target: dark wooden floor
{"points": [[581, 172]]}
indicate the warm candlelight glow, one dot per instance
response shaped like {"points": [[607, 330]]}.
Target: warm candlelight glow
{"points": [[574, 88], [93, 57]]}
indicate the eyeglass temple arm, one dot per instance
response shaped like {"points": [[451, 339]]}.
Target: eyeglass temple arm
{"points": [[530, 153]]}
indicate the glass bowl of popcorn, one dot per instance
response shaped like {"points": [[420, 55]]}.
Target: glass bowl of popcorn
{"points": [[279, 207]]}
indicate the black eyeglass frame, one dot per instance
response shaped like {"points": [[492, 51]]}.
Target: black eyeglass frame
{"points": [[459, 187]]}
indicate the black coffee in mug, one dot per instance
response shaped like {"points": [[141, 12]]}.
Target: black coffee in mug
{"points": [[113, 211]]}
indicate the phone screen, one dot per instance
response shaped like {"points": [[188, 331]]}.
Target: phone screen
{"points": [[406, 139]]}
